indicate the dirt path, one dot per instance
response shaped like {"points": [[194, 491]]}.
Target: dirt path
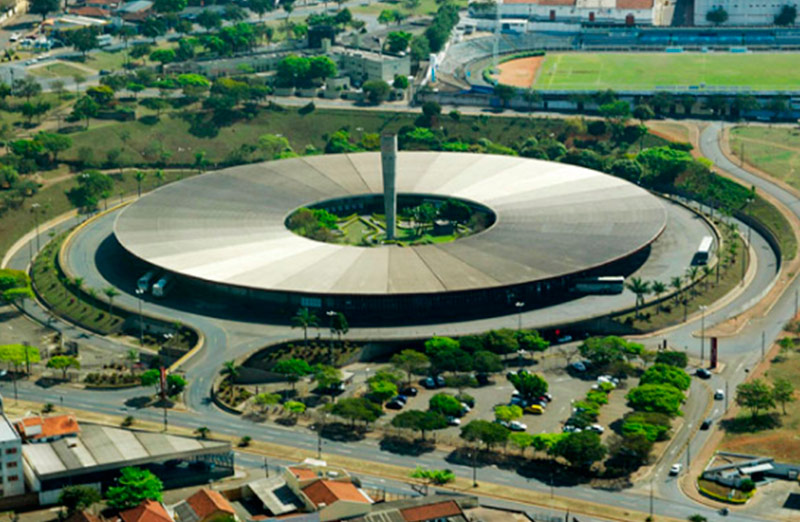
{"points": [[521, 72]]}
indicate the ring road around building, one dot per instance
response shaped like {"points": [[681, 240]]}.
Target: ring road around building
{"points": [[551, 223]]}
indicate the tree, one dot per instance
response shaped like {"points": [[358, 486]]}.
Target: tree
{"points": [[260, 7], [303, 319], [26, 88], [673, 358], [507, 413], [400, 82], [292, 369], [209, 20], [717, 16], [327, 377], [139, 50], [410, 361], [376, 91], [529, 385], [643, 112], [381, 390], [169, 6], [339, 325], [78, 498], [397, 41], [54, 143], [661, 373], [640, 289], [85, 109], [445, 404], [505, 93], [43, 7], [489, 433], [139, 176], [110, 293], [153, 27], [264, 400], [433, 476], [83, 39], [133, 486], [202, 432], [603, 351], [661, 398], [787, 16], [175, 384], [420, 48], [63, 363], [321, 67], [485, 362], [755, 395], [294, 408], [421, 421], [783, 392], [581, 449], [151, 377], [162, 56], [357, 409], [19, 354], [231, 372]]}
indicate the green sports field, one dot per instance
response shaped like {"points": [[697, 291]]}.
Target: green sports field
{"points": [[619, 71]]}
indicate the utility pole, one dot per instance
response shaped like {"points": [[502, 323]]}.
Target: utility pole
{"points": [[795, 302], [165, 416], [139, 293], [726, 395], [651, 497], [702, 333], [35, 210], [763, 342], [474, 467], [688, 452], [520, 305], [266, 467]]}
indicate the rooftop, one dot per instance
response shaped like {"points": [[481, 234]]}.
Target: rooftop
{"points": [[330, 491], [98, 448], [303, 473], [439, 510], [7, 431], [207, 502], [147, 511], [34, 428]]}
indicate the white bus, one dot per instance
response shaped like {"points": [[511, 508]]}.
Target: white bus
{"points": [[143, 284], [703, 251], [600, 285], [162, 287]]}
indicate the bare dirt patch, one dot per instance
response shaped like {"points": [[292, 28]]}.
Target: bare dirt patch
{"points": [[520, 72]]}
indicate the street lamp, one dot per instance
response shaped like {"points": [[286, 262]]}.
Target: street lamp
{"points": [[702, 333], [139, 293], [520, 305], [331, 314]]}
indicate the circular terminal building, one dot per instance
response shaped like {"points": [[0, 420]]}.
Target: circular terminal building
{"points": [[548, 224]]}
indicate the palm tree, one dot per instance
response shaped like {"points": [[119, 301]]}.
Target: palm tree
{"points": [[707, 271], [78, 283], [691, 274], [159, 175], [139, 178], [658, 288], [133, 357], [230, 369], [111, 293], [640, 288], [304, 319], [676, 283]]}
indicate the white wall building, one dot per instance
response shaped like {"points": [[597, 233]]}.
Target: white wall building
{"points": [[11, 458], [618, 12], [741, 12]]}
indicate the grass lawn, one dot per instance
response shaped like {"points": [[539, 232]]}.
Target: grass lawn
{"points": [[775, 150], [597, 71], [781, 442], [425, 7], [57, 70]]}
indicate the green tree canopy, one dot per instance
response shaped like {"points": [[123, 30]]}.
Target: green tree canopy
{"points": [[376, 91], [421, 421], [755, 395], [445, 404], [661, 373], [357, 409], [531, 341], [382, 390], [501, 341], [410, 361], [133, 486], [18, 354], [327, 377], [78, 498], [783, 393], [581, 449], [63, 363], [489, 433], [603, 351], [661, 398], [529, 385], [487, 362], [673, 358], [507, 413], [292, 369]]}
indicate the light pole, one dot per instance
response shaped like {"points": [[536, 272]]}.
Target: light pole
{"points": [[520, 305], [139, 293], [726, 395], [474, 467], [702, 333], [35, 210], [331, 314]]}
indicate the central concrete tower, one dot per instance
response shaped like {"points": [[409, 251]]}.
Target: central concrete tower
{"points": [[389, 163]]}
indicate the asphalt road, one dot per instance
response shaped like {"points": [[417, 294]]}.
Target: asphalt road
{"points": [[226, 340]]}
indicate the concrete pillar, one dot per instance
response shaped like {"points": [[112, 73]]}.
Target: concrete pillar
{"points": [[389, 164]]}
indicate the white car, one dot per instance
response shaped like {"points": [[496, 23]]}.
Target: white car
{"points": [[675, 469], [569, 428], [14, 37], [517, 426], [453, 421], [596, 428], [609, 379], [719, 395]]}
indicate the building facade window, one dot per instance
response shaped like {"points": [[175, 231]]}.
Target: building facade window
{"points": [[11, 451]]}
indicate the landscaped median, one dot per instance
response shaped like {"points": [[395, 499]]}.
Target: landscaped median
{"points": [[724, 493]]}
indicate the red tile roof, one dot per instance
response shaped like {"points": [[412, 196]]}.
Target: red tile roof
{"points": [[634, 4], [207, 502], [147, 511], [92, 12], [330, 491], [541, 2], [303, 473], [444, 509], [59, 425]]}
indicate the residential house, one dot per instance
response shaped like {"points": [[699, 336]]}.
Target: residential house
{"points": [[38, 429], [203, 506], [147, 511]]}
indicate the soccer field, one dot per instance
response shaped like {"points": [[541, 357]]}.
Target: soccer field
{"points": [[620, 71]]}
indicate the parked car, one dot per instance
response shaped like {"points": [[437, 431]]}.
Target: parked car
{"points": [[465, 408], [569, 428], [675, 469], [501, 423], [596, 428], [719, 395], [519, 401], [453, 421], [395, 405], [577, 366], [534, 408], [608, 379], [517, 426], [431, 382], [400, 398], [482, 379], [14, 37], [706, 424], [703, 373], [409, 391]]}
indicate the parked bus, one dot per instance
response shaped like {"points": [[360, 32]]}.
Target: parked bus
{"points": [[162, 287], [143, 284], [703, 251], [600, 285]]}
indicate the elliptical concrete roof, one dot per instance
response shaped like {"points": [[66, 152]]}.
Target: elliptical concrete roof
{"points": [[552, 219]]}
